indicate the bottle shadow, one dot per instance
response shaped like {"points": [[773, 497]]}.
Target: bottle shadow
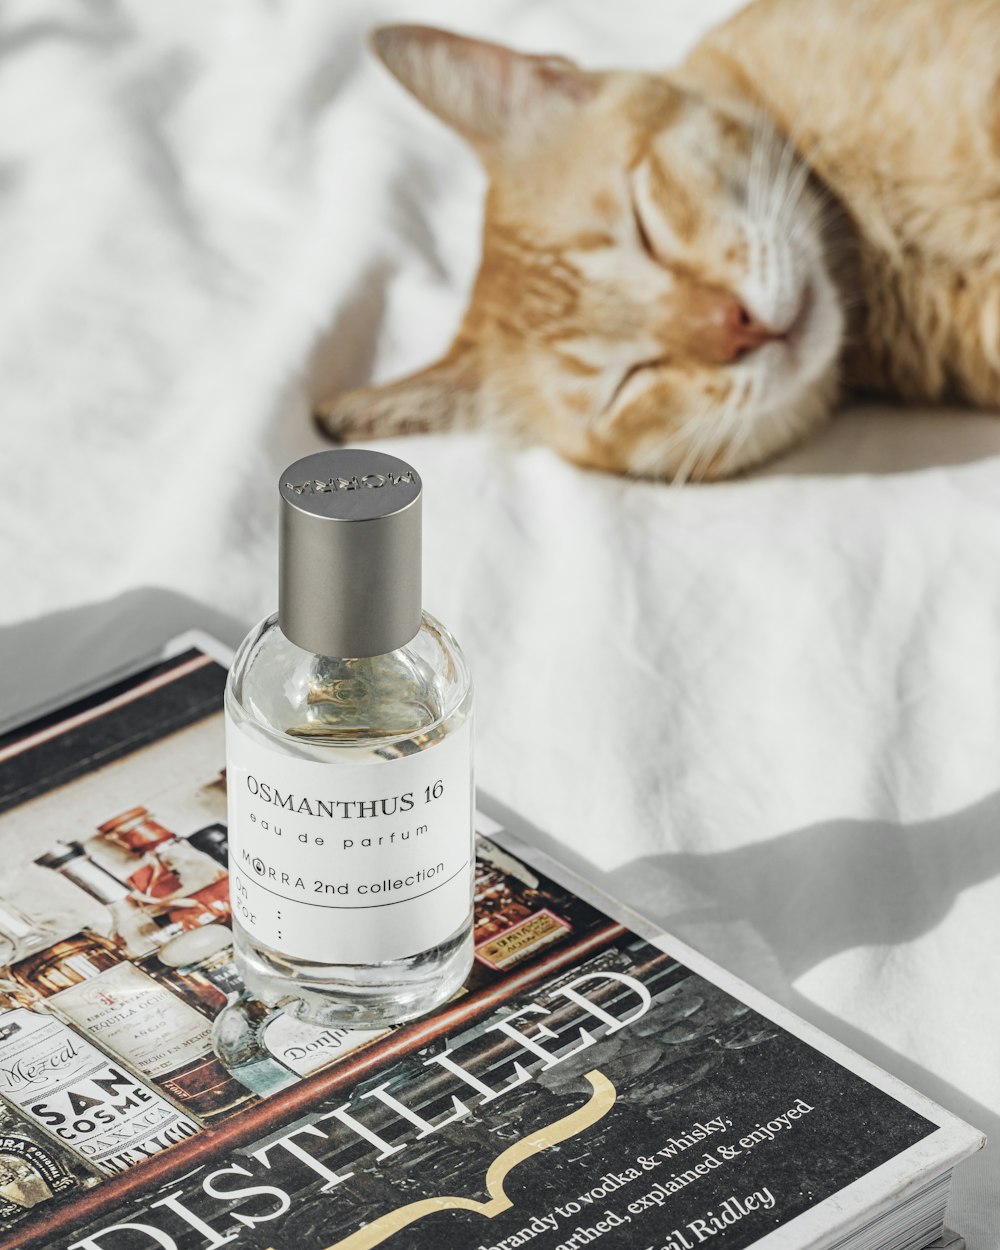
{"points": [[49, 660]]}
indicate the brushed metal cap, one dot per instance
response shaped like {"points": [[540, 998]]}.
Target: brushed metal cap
{"points": [[349, 552]]}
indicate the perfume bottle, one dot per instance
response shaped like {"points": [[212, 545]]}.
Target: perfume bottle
{"points": [[349, 762], [238, 1039]]}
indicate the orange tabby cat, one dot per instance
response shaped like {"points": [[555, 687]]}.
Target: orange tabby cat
{"points": [[680, 271]]}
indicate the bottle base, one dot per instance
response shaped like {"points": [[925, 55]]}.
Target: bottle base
{"points": [[354, 995]]}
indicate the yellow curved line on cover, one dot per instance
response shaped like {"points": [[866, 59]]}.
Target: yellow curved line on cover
{"points": [[597, 1106]]}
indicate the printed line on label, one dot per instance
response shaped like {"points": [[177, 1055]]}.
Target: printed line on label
{"points": [[345, 907]]}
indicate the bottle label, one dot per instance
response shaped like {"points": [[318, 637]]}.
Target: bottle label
{"points": [[350, 863], [306, 1048], [129, 1013], [92, 1103], [29, 1174]]}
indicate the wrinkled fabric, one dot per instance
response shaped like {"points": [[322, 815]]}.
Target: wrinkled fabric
{"points": [[765, 712]]}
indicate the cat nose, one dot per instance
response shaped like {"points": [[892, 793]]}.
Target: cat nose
{"points": [[735, 333]]}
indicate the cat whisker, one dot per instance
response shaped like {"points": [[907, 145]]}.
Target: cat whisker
{"points": [[737, 428], [732, 457], [734, 430], [762, 137], [653, 459], [708, 442], [789, 185], [704, 446]]}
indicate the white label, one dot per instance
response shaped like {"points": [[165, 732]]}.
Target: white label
{"points": [[306, 1048], [350, 863], [125, 1010], [90, 1102]]}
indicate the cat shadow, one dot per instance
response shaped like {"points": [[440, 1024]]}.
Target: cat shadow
{"points": [[344, 355], [788, 904], [882, 439], [820, 891], [801, 898], [809, 895]]}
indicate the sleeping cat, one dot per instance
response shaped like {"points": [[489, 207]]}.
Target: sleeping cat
{"points": [[681, 272]]}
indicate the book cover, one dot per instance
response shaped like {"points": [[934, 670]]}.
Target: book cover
{"points": [[593, 1081]]}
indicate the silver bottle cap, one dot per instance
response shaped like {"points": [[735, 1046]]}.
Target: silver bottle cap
{"points": [[349, 553]]}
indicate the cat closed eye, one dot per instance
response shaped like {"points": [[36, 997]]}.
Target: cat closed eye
{"points": [[634, 371], [640, 228]]}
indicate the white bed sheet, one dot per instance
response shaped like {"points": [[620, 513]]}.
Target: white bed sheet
{"points": [[767, 713]]}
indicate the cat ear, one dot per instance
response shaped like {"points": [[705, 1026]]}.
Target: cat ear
{"points": [[444, 396], [480, 89]]}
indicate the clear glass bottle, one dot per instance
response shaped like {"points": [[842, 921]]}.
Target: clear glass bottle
{"points": [[57, 1078], [135, 929], [238, 1040], [201, 961], [166, 871], [85, 980], [20, 936], [349, 722], [195, 963]]}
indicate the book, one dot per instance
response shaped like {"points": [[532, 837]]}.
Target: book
{"points": [[595, 1082]]}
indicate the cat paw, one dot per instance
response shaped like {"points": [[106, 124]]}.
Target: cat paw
{"points": [[340, 420], [428, 401]]}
